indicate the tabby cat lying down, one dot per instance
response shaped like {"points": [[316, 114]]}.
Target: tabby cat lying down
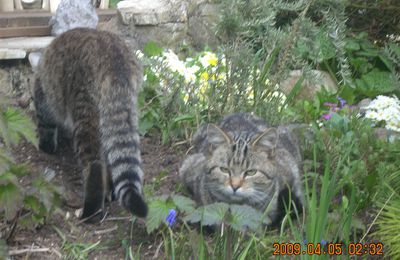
{"points": [[243, 161]]}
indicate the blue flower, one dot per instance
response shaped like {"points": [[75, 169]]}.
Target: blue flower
{"points": [[323, 242], [171, 217], [342, 102]]}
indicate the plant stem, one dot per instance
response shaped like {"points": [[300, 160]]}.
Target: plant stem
{"points": [[171, 235], [228, 243]]}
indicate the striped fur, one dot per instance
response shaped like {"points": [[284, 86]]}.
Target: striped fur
{"points": [[243, 161], [87, 84]]}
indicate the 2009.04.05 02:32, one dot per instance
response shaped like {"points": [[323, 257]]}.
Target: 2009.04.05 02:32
{"points": [[328, 249]]}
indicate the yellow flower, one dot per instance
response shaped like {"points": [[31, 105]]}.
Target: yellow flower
{"points": [[209, 59], [204, 76]]}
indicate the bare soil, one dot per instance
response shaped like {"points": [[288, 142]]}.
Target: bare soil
{"points": [[160, 165]]}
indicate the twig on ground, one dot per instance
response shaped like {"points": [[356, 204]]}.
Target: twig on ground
{"points": [[104, 217], [104, 231], [28, 250], [157, 250], [93, 215], [118, 218], [53, 250]]}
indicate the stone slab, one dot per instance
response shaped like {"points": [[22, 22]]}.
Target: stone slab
{"points": [[152, 12], [26, 43], [10, 54]]}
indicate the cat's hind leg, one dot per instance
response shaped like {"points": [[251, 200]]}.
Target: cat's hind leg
{"points": [[47, 126], [88, 149]]}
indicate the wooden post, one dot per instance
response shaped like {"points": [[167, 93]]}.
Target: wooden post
{"points": [[46, 5], [18, 4], [7, 5], [104, 4]]}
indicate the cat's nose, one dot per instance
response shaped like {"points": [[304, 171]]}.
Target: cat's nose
{"points": [[236, 183]]}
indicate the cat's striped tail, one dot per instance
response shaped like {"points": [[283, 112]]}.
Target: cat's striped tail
{"points": [[121, 143]]}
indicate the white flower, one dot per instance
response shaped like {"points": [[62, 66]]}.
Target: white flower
{"points": [[381, 102], [189, 73], [386, 109], [139, 54], [173, 62]]}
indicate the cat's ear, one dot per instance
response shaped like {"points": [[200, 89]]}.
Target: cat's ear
{"points": [[217, 136], [267, 141], [34, 59]]}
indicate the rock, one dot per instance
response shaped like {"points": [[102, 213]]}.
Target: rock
{"points": [[388, 135], [127, 32], [155, 12], [202, 20], [168, 34], [71, 14], [309, 88], [171, 22], [363, 104], [16, 79], [26, 43], [9, 54]]}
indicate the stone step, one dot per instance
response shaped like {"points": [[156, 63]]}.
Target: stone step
{"points": [[35, 22], [17, 48]]}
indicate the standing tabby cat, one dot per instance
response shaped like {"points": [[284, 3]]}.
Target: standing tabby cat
{"points": [[243, 161], [87, 83]]}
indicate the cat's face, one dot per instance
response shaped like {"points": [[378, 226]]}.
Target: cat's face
{"points": [[242, 169]]}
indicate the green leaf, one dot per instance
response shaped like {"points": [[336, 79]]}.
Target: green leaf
{"points": [[158, 211], [3, 130], [352, 45], [345, 202], [347, 93], [19, 125], [376, 82], [184, 203], [5, 160], [32, 202], [145, 124], [208, 215], [244, 217], [48, 193], [8, 177], [152, 49], [327, 49], [10, 200], [187, 117]]}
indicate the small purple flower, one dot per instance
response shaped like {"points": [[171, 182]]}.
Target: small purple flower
{"points": [[323, 242], [171, 217], [342, 101], [326, 116], [329, 104], [305, 242]]}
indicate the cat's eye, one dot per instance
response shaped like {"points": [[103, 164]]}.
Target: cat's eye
{"points": [[224, 170], [250, 172]]}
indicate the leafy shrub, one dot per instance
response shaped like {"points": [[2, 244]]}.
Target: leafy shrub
{"points": [[309, 35], [36, 202]]}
